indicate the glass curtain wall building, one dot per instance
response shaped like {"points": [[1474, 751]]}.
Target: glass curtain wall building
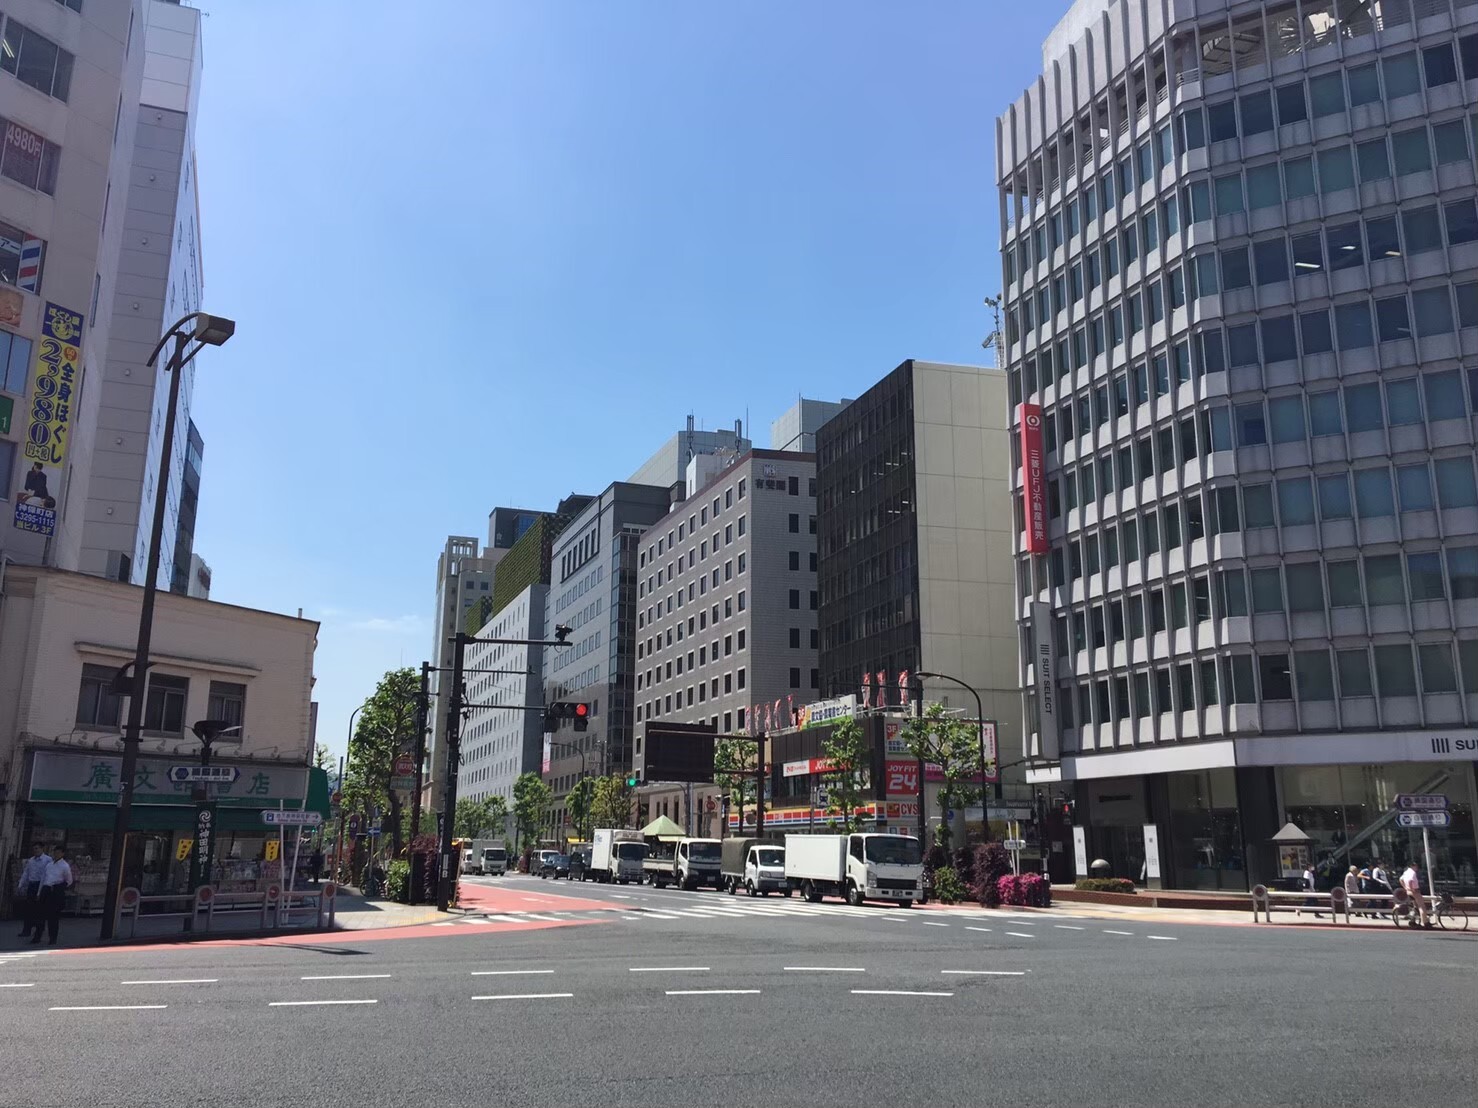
{"points": [[1240, 266]]}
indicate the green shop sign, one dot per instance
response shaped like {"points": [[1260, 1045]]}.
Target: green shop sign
{"points": [[97, 779]]}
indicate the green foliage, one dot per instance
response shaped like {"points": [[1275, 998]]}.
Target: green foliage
{"points": [[991, 864], [733, 771], [476, 819], [847, 750], [611, 802], [398, 882], [948, 887], [322, 758], [954, 746], [525, 564], [384, 727], [531, 801], [578, 805], [1104, 885], [497, 815]]}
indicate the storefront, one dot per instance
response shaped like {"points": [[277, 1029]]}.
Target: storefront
{"points": [[73, 797]]}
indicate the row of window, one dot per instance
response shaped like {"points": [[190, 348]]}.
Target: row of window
{"points": [[733, 721], [696, 554], [699, 519], [98, 706], [675, 600], [652, 646], [1403, 669], [700, 693], [1371, 580], [34, 59]]}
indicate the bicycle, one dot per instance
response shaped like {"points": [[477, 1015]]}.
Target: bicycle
{"points": [[1442, 910]]}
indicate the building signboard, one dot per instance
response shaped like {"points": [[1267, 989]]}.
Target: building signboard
{"points": [[1049, 734], [826, 711], [94, 778], [1033, 480], [54, 382]]}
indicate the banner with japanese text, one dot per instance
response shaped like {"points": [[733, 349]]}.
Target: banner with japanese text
{"points": [[1033, 480], [96, 778], [54, 383]]}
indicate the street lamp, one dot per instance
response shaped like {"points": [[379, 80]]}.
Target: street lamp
{"points": [[980, 726], [202, 330]]}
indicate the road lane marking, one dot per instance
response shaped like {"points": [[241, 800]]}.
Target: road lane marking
{"points": [[1020, 935], [660, 915], [342, 977], [985, 972], [977, 929], [107, 1007], [667, 969], [1018, 919], [507, 972], [711, 992], [1067, 927], [896, 992], [312, 1003], [1162, 938], [179, 981], [825, 969], [526, 996], [621, 896], [893, 919], [1106, 931], [931, 923], [17, 985]]}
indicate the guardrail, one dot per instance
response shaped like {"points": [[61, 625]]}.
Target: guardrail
{"points": [[1266, 901], [207, 910]]}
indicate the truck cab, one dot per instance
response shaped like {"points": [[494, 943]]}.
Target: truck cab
{"points": [[884, 867], [764, 870], [494, 861], [697, 863]]}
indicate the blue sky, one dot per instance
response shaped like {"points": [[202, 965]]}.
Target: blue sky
{"points": [[499, 255]]}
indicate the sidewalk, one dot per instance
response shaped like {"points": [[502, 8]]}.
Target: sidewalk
{"points": [[356, 912]]}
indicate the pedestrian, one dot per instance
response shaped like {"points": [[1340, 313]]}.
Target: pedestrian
{"points": [[1411, 882], [1309, 885], [1368, 890], [1352, 888], [28, 891], [54, 888], [315, 863]]}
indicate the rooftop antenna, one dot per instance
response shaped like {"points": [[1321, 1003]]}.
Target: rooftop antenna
{"points": [[995, 341]]}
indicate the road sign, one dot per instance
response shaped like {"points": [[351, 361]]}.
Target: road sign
{"points": [[210, 775], [354, 824], [277, 817], [819, 797], [405, 766], [205, 835], [403, 784], [1015, 844], [1421, 802], [1424, 819], [374, 829]]}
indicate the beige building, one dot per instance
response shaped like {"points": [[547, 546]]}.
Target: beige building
{"points": [[63, 638]]}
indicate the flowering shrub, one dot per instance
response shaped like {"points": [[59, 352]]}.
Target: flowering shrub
{"points": [[1104, 885], [991, 864], [947, 886], [1029, 890]]}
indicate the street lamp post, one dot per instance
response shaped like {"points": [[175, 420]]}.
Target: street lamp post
{"points": [[203, 330], [980, 726]]}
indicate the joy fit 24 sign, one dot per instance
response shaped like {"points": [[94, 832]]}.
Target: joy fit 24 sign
{"points": [[1033, 480], [54, 381]]}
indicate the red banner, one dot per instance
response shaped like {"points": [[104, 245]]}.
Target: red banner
{"points": [[1033, 480]]}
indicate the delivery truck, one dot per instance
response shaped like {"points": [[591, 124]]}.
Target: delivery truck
{"points": [[687, 863], [755, 865], [616, 855], [855, 867]]}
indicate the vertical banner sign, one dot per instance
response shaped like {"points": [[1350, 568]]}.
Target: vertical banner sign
{"points": [[988, 740], [1049, 737], [205, 840], [1033, 480], [49, 420]]}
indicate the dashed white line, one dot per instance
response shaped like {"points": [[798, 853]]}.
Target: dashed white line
{"points": [[1067, 927], [342, 977], [931, 923], [17, 985], [1162, 938], [711, 992], [508, 972], [526, 996], [977, 929], [180, 981], [311, 1003], [1106, 931], [660, 915], [825, 969], [1020, 935], [108, 1008], [984, 972], [667, 969], [896, 992]]}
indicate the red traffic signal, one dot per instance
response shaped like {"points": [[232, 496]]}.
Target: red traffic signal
{"points": [[564, 709], [581, 716]]}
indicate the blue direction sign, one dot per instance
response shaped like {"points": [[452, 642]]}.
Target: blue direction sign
{"points": [[1421, 802], [1424, 819], [207, 775]]}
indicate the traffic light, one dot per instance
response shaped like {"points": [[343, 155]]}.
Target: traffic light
{"points": [[1066, 806], [582, 716], [566, 709], [633, 779]]}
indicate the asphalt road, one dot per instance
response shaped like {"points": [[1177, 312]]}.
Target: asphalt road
{"points": [[651, 1004]]}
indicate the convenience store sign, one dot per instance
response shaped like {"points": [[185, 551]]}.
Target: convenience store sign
{"points": [[97, 779]]}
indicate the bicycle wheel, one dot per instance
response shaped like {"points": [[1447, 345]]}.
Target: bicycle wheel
{"points": [[1451, 918]]}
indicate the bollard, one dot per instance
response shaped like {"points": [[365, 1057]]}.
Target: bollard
{"points": [[128, 900], [1260, 900]]}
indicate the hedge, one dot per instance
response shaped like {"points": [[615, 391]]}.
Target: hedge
{"points": [[1104, 885]]}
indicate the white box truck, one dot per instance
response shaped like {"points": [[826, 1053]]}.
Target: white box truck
{"points": [[755, 865], [616, 855], [855, 867], [493, 855]]}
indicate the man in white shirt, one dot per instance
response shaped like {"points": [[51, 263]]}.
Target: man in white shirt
{"points": [[28, 890], [54, 886], [1412, 883]]}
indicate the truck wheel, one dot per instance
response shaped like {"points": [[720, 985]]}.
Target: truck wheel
{"points": [[854, 895], [749, 888], [732, 886], [787, 892]]}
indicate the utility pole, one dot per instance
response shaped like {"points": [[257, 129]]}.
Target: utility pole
{"points": [[423, 713]]}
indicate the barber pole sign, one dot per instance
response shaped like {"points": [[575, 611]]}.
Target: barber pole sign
{"points": [[1033, 479]]}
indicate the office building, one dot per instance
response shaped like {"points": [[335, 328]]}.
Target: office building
{"points": [[198, 582], [797, 426], [463, 577], [69, 104], [593, 591], [160, 279], [1241, 275], [185, 558], [726, 608], [669, 465]]}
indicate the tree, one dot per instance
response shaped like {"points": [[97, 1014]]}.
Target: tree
{"points": [[473, 818], [531, 800], [578, 804], [610, 804], [954, 746], [733, 771], [497, 819], [847, 751], [322, 757], [386, 724]]}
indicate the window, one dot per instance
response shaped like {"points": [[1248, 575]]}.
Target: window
{"points": [[793, 524], [1267, 590], [1346, 247], [164, 705], [1295, 501], [1327, 94], [227, 702], [1381, 239], [1229, 194], [1337, 169], [1308, 253], [1432, 309], [1461, 217], [1270, 259], [1344, 585], [1354, 673], [15, 359], [1373, 160], [27, 158], [1257, 506], [1363, 407], [1411, 150], [1334, 496], [1352, 325], [795, 559], [1439, 65], [1415, 485], [1392, 321], [1324, 413], [1403, 404], [1364, 84], [1286, 416], [1383, 581], [1221, 120], [97, 704], [1292, 106], [1314, 332], [1298, 177], [1274, 677], [1421, 229], [1394, 674], [1264, 186], [1400, 74], [1256, 110], [1455, 484], [1312, 674], [1425, 571], [36, 60], [1462, 572], [1373, 497]]}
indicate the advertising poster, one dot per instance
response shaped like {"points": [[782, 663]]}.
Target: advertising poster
{"points": [[54, 381]]}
